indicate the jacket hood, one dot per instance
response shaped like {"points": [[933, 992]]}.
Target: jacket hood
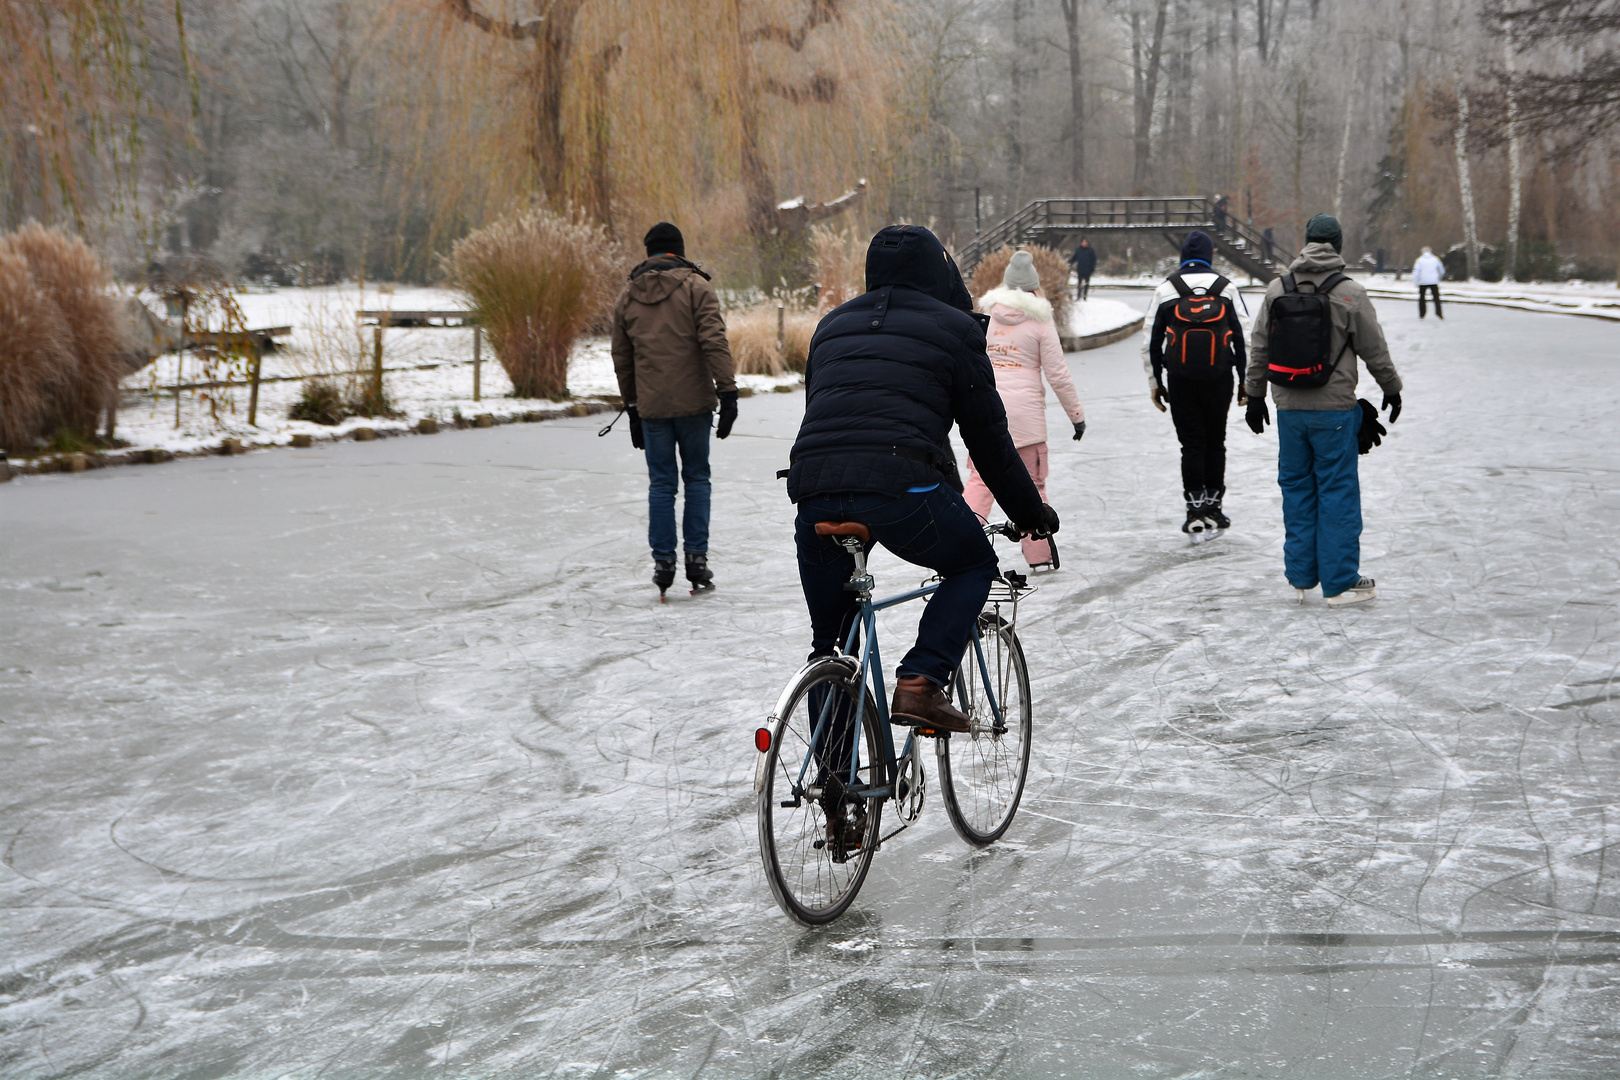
{"points": [[1318, 257], [912, 257], [654, 280], [1015, 306]]}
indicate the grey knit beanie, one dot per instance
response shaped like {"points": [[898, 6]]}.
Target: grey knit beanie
{"points": [[1021, 273]]}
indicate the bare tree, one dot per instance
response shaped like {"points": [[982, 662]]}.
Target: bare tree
{"points": [[1465, 183], [1077, 103], [1145, 88]]}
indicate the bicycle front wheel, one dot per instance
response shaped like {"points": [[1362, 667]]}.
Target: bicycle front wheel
{"points": [[816, 836], [981, 773]]}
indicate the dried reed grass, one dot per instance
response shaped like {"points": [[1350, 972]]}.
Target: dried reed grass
{"points": [[36, 356], [751, 333], [1050, 264], [840, 260], [65, 272], [536, 280]]}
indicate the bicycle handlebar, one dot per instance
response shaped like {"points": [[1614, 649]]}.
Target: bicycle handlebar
{"points": [[1013, 532]]}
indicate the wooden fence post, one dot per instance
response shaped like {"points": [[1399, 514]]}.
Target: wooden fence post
{"points": [[253, 394], [781, 337], [376, 368], [478, 342]]}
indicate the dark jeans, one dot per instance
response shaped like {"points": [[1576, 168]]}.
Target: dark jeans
{"points": [[1423, 290], [1198, 409], [930, 528], [664, 437], [1083, 288]]}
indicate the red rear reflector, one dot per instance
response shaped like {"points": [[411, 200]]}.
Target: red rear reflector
{"points": [[762, 740]]}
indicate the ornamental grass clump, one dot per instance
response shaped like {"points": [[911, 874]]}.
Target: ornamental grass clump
{"points": [[535, 281], [751, 333], [60, 340], [1050, 264]]}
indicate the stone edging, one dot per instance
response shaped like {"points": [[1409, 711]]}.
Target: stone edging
{"points": [[1078, 343]]}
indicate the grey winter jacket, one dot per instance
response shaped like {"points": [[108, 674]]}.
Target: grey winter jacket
{"points": [[669, 341], [1353, 317]]}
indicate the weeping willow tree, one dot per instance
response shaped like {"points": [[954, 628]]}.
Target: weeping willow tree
{"points": [[73, 87], [744, 121]]}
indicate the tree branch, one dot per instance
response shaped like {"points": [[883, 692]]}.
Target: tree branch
{"points": [[516, 31]]}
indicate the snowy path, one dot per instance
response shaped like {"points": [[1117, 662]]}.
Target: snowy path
{"points": [[381, 757]]}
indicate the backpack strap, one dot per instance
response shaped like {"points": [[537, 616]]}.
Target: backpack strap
{"points": [[1181, 287], [1331, 282], [1217, 285], [1289, 284]]}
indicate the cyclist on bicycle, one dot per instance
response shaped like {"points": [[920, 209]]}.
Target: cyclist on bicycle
{"points": [[888, 373]]}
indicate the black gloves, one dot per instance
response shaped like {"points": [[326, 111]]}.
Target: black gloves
{"points": [[635, 428], [1046, 526], [1392, 402], [1159, 396], [728, 413], [1257, 416], [1079, 430], [1371, 432]]}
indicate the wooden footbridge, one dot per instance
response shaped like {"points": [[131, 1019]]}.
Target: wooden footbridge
{"points": [[1061, 223]]}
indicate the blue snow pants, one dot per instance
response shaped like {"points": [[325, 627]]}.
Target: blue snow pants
{"points": [[1316, 469]]}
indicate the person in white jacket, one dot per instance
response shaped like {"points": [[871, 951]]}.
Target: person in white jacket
{"points": [[1023, 344], [1426, 274]]}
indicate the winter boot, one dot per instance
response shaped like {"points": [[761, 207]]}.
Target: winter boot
{"points": [[698, 572], [663, 575], [1196, 525], [1212, 509], [1358, 593], [918, 703]]}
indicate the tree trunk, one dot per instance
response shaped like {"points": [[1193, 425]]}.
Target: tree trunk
{"points": [[1146, 85], [1077, 109], [1511, 268], [1015, 124], [1344, 156], [1465, 183]]}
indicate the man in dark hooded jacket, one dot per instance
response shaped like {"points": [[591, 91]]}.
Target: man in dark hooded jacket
{"points": [[888, 374]]}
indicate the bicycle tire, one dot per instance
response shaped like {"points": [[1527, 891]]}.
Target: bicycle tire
{"points": [[982, 773], [809, 880]]}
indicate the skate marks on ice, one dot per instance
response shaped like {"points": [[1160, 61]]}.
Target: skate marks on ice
{"points": [[430, 780]]}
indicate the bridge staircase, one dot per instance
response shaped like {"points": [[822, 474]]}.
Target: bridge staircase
{"points": [[1060, 223]]}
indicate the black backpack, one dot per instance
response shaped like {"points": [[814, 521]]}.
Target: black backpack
{"points": [[1200, 342], [1300, 335]]}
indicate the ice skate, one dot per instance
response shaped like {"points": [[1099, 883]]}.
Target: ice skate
{"points": [[1301, 594], [1214, 514], [699, 574], [1197, 527], [1358, 593], [663, 575]]}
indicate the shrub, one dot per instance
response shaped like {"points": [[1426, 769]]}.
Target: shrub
{"points": [[536, 280], [36, 356], [319, 402], [840, 266], [1050, 264], [751, 333], [70, 277]]}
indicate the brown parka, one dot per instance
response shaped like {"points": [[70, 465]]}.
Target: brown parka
{"points": [[669, 341]]}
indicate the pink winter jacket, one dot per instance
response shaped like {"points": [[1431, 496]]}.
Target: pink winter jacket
{"points": [[1023, 342]]}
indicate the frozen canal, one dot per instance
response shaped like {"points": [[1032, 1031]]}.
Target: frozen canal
{"points": [[381, 760]]}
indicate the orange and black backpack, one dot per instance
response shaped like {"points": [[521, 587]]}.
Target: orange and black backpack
{"points": [[1198, 341]]}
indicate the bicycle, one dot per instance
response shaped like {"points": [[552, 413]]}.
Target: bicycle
{"points": [[821, 802]]}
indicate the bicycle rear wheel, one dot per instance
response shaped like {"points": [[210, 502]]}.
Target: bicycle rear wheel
{"points": [[981, 773], [815, 838]]}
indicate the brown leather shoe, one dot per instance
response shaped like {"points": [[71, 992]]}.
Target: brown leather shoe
{"points": [[920, 704]]}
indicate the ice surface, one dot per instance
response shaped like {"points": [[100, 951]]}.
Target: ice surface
{"points": [[382, 758]]}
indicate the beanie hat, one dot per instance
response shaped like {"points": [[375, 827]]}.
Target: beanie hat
{"points": [[1198, 247], [1324, 228], [1021, 273], [665, 239]]}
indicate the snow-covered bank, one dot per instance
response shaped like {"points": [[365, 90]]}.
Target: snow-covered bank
{"points": [[1098, 321]]}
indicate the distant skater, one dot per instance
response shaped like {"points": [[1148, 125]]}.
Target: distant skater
{"points": [[1084, 261], [1319, 420], [1220, 214], [674, 367], [1195, 342], [1427, 273], [1023, 345]]}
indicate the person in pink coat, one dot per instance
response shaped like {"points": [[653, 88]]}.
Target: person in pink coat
{"points": [[1023, 345]]}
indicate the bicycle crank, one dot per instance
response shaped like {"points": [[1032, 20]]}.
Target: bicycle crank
{"points": [[911, 785]]}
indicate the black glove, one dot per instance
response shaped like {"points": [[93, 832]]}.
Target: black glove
{"points": [[1392, 402], [1079, 430], [1257, 416], [635, 428], [1372, 432], [1046, 526], [728, 413]]}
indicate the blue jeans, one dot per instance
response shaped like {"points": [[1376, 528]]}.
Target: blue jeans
{"points": [[930, 528], [1316, 469], [663, 437]]}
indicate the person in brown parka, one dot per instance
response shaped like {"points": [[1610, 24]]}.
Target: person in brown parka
{"points": [[674, 367]]}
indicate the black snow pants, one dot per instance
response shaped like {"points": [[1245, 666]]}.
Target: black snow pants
{"points": [[1426, 291], [1198, 408]]}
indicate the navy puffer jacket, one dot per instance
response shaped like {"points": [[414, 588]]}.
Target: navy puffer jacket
{"points": [[888, 374]]}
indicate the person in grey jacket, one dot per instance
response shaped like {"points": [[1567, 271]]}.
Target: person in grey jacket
{"points": [[1317, 428]]}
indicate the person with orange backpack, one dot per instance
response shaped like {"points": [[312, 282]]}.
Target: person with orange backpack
{"points": [[1189, 354]]}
